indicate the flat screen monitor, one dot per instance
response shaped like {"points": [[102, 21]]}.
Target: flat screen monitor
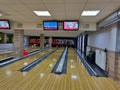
{"points": [[71, 25], [4, 24], [50, 25]]}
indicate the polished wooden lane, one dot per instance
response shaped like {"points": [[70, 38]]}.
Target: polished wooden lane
{"points": [[5, 55], [8, 70], [19, 64], [12, 70], [41, 78], [18, 77], [29, 49], [39, 74]]}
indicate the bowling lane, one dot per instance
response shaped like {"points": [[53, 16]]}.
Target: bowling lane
{"points": [[32, 49], [10, 54], [26, 80], [75, 70], [75, 65], [19, 64], [10, 73], [5, 55], [79, 79], [44, 80], [40, 78]]}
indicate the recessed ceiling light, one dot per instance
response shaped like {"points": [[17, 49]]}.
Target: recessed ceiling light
{"points": [[90, 12], [1, 14], [42, 13]]}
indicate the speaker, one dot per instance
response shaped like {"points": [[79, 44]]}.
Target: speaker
{"points": [[86, 26], [39, 25]]}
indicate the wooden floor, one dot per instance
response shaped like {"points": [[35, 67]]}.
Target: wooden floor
{"points": [[41, 78]]}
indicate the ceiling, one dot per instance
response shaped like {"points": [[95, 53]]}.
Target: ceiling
{"points": [[22, 10]]}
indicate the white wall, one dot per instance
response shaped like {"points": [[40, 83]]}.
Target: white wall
{"points": [[87, 26], [118, 38], [104, 38]]}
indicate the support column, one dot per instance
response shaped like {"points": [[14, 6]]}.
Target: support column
{"points": [[41, 40], [4, 38], [26, 41], [18, 42], [50, 41]]}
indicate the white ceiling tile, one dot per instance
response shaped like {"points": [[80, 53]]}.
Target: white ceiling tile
{"points": [[99, 1], [55, 6], [9, 1], [59, 17], [61, 8], [32, 1], [74, 6], [75, 1], [36, 7], [53, 1], [57, 12], [94, 6], [115, 1], [18, 7]]}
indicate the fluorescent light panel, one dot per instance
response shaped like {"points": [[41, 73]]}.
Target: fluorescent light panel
{"points": [[42, 13], [90, 12]]}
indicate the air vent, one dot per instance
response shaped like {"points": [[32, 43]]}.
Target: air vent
{"points": [[39, 25], [86, 26], [19, 25]]}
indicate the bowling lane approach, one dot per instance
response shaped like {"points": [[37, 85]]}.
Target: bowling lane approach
{"points": [[41, 78]]}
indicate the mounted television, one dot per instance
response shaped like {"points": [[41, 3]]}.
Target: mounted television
{"points": [[50, 25], [71, 25], [4, 24]]}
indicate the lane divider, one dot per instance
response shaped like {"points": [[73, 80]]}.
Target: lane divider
{"points": [[34, 63], [61, 65], [8, 62]]}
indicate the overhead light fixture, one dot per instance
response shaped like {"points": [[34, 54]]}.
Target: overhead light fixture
{"points": [[90, 12], [1, 14], [42, 13]]}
